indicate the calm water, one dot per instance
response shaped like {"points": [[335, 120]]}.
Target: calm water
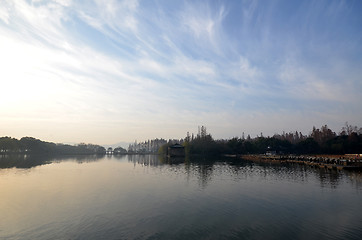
{"points": [[143, 197]]}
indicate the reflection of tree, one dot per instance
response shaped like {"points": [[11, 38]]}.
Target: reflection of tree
{"points": [[200, 167], [204, 169], [78, 158], [328, 177], [355, 178], [205, 172], [145, 160], [171, 160], [301, 173], [29, 161], [23, 161]]}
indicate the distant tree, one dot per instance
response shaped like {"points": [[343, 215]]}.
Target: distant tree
{"points": [[8, 144], [187, 138], [348, 129], [308, 146], [119, 150], [235, 145]]}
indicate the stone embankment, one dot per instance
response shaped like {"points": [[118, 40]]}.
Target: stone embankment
{"points": [[338, 162]]}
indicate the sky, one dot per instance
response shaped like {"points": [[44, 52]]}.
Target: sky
{"points": [[108, 71]]}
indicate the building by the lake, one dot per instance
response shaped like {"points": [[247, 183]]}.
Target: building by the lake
{"points": [[176, 150]]}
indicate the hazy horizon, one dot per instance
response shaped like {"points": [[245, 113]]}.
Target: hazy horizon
{"points": [[105, 72]]}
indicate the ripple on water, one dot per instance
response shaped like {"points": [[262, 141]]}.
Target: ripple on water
{"points": [[143, 198]]}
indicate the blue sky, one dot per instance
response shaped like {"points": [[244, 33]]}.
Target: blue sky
{"points": [[111, 71]]}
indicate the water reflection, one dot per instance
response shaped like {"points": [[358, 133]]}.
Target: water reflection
{"points": [[202, 167], [30, 161], [148, 197], [23, 161]]}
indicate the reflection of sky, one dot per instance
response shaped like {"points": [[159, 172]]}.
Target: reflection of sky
{"points": [[143, 197], [108, 71]]}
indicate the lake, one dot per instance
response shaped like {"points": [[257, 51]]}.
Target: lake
{"points": [[145, 197]]}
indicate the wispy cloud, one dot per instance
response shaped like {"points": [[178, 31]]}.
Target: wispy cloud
{"points": [[123, 67], [299, 82]]}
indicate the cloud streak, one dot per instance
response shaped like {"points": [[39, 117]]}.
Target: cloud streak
{"points": [[126, 69]]}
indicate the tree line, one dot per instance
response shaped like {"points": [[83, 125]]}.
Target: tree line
{"points": [[151, 146], [319, 141], [30, 145]]}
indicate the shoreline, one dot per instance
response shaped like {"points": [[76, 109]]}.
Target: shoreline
{"points": [[331, 162]]}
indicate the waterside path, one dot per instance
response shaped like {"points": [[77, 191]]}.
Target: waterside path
{"points": [[336, 162]]}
